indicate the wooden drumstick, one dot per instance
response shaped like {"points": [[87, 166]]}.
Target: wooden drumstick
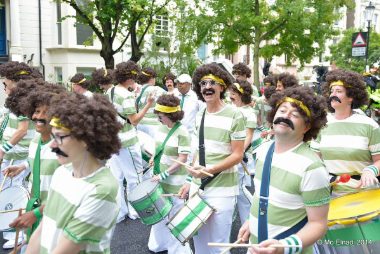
{"points": [[248, 245], [170, 195], [190, 167], [11, 211], [2, 183], [229, 248], [17, 233], [245, 168]]}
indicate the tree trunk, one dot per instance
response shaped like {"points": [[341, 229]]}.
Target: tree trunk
{"points": [[107, 54], [256, 64], [136, 53]]}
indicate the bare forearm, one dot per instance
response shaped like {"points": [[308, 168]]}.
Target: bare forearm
{"points": [[312, 232], [136, 118], [227, 163]]}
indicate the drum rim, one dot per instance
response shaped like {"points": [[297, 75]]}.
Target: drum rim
{"points": [[143, 198]]}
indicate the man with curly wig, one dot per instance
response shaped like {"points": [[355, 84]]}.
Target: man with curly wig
{"points": [[169, 81], [350, 144], [127, 164], [242, 72], [295, 214], [149, 123], [103, 78], [81, 208], [41, 162], [17, 130], [224, 134], [170, 174], [80, 84], [286, 80], [241, 97]]}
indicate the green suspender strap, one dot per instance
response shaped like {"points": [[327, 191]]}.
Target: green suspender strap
{"points": [[35, 202], [140, 96], [3, 125], [160, 149]]}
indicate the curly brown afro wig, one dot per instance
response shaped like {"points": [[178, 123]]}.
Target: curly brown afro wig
{"points": [[80, 80], [145, 75], [268, 91], [287, 80], [19, 92], [102, 76], [215, 70], [246, 96], [170, 101], [92, 120], [270, 80], [40, 96], [354, 84], [315, 103], [241, 69], [16, 71], [125, 71], [168, 76]]}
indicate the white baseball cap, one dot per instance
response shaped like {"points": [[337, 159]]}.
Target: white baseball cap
{"points": [[184, 78]]}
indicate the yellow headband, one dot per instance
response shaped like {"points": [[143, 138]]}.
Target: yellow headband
{"points": [[83, 80], [239, 88], [298, 103], [268, 83], [339, 83], [23, 73], [167, 109], [146, 74], [134, 72], [105, 73], [56, 122], [213, 77]]}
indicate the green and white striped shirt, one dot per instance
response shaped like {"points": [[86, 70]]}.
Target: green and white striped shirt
{"points": [[124, 102], [48, 165], [84, 210], [220, 129], [347, 146], [298, 180], [178, 143], [20, 150], [149, 118], [249, 115]]}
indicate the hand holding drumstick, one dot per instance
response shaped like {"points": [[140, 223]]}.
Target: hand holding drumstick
{"points": [[195, 171]]}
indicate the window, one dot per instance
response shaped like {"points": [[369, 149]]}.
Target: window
{"points": [[59, 23], [162, 26], [58, 75], [202, 51], [84, 33], [87, 71], [375, 18]]}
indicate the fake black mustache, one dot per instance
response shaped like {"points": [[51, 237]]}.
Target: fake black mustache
{"points": [[284, 120], [59, 152], [43, 121], [208, 90], [334, 98]]}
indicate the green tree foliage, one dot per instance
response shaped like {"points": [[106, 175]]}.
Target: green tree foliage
{"points": [[341, 53], [116, 22], [296, 28]]}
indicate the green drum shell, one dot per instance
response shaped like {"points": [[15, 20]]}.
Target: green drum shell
{"points": [[152, 208]]}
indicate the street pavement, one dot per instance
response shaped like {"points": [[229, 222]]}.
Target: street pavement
{"points": [[131, 237]]}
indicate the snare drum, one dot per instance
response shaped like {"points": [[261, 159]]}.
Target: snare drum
{"points": [[146, 199], [187, 221], [354, 224], [11, 198]]}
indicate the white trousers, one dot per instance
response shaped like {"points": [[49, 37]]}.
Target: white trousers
{"points": [[161, 239], [148, 129], [218, 226], [15, 181], [127, 164], [243, 200]]}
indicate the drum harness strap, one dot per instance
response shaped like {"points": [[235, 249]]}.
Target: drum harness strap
{"points": [[123, 117], [140, 96], [4, 124], [202, 156], [160, 149], [35, 201], [264, 200]]}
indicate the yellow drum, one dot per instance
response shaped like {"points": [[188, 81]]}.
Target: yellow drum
{"points": [[354, 225]]}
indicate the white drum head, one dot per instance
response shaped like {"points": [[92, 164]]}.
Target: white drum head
{"points": [[141, 190], [12, 198]]}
